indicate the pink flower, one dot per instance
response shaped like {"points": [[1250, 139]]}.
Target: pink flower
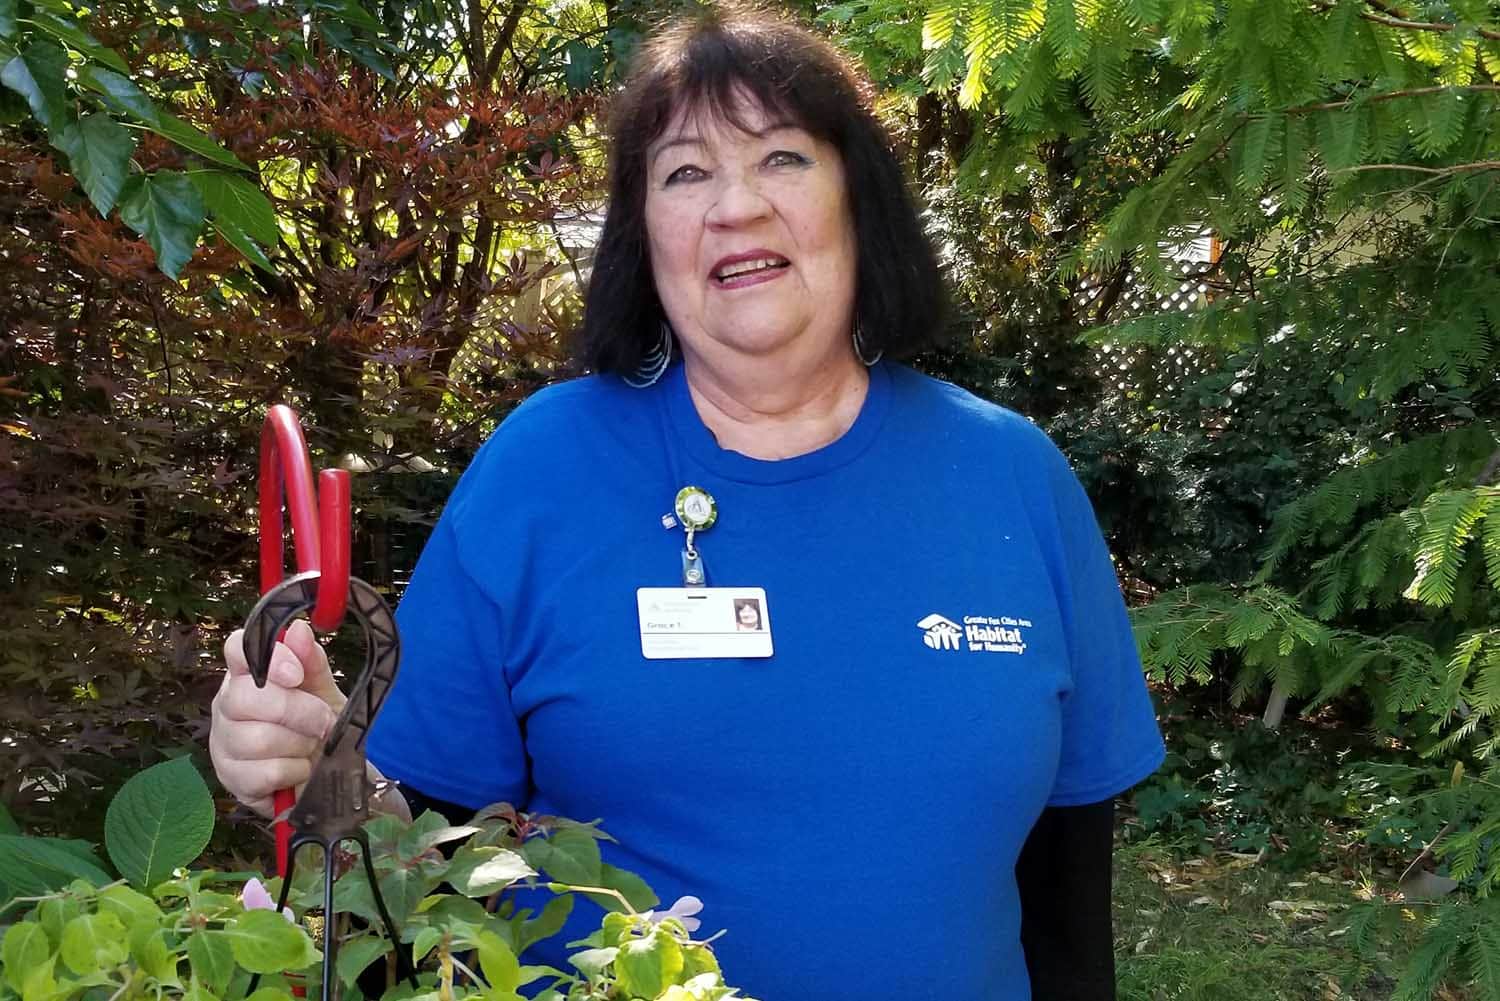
{"points": [[683, 911], [255, 897]]}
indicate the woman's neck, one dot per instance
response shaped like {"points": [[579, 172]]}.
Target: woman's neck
{"points": [[767, 412]]}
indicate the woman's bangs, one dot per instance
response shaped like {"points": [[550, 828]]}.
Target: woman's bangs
{"points": [[720, 96]]}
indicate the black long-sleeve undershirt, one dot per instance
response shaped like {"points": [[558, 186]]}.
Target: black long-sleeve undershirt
{"points": [[1063, 875]]}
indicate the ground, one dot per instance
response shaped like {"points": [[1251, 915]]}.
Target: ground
{"points": [[1231, 927]]}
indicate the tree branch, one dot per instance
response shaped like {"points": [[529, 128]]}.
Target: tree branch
{"points": [[1400, 21], [474, 50], [502, 41], [572, 262], [449, 266], [1457, 168], [166, 358], [1112, 291], [1389, 96], [474, 271]]}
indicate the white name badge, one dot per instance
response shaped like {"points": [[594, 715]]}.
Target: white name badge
{"points": [[683, 622]]}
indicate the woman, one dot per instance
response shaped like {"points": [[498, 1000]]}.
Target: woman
{"points": [[747, 614], [949, 668]]}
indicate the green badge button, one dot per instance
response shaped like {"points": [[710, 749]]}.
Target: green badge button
{"points": [[696, 508]]}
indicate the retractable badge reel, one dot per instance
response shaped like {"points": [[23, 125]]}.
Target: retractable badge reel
{"points": [[697, 511]]}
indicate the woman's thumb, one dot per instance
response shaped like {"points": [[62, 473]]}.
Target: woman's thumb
{"points": [[317, 678]]}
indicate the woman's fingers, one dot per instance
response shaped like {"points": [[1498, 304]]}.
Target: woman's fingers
{"points": [[285, 670], [266, 738], [240, 701], [312, 659], [251, 740], [234, 654], [255, 782]]}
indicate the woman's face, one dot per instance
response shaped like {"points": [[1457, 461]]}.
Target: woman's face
{"points": [[749, 616], [751, 238]]}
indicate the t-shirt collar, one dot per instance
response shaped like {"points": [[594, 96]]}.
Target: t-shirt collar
{"points": [[689, 431]]}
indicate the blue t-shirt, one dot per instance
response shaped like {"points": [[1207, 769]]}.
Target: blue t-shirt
{"points": [[952, 654]]}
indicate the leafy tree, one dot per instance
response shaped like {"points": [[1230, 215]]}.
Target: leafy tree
{"points": [[256, 204], [1345, 177], [1344, 155]]}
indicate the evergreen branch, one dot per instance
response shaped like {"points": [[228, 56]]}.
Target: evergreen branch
{"points": [[1449, 518], [1457, 168], [1364, 920], [1491, 545], [1400, 22], [1484, 955], [1390, 95], [1396, 479], [1435, 955]]}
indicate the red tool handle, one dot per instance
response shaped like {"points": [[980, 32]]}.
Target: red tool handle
{"points": [[320, 541]]}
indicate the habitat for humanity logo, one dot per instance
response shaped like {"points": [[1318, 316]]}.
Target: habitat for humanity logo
{"points": [[988, 633], [940, 633]]}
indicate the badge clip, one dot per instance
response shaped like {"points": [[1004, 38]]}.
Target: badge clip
{"points": [[697, 511]]}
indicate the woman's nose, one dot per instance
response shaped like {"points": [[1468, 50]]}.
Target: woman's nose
{"points": [[740, 201]]}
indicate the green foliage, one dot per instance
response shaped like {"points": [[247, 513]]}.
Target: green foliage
{"points": [[167, 210], [98, 150], [1375, 553], [30, 866], [1392, 479], [1456, 932], [1289, 798], [1313, 521], [82, 935], [37, 73], [159, 821], [241, 214], [79, 91], [389, 267]]}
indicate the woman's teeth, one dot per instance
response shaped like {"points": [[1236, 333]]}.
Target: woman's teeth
{"points": [[746, 267]]}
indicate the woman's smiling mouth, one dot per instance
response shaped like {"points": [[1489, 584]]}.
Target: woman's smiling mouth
{"points": [[753, 268]]}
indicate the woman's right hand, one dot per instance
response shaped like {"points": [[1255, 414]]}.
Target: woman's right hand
{"points": [[265, 739]]}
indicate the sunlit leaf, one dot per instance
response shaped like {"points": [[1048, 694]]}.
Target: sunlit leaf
{"points": [[37, 73], [162, 817], [71, 34], [99, 151], [234, 200], [125, 96]]}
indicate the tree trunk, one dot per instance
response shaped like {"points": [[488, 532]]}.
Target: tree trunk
{"points": [[1275, 708]]}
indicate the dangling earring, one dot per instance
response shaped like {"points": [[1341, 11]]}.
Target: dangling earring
{"points": [[655, 363], [859, 347]]}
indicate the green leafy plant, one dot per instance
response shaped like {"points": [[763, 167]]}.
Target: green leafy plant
{"points": [[418, 292], [80, 92], [202, 935], [193, 938], [158, 821]]}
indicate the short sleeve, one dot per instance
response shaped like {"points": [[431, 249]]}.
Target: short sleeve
{"points": [[1110, 737], [447, 727]]}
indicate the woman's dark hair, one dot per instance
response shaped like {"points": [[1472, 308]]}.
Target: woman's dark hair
{"points": [[708, 61]]}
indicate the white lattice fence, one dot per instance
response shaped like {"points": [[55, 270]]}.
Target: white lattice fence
{"points": [[1144, 372], [519, 329]]}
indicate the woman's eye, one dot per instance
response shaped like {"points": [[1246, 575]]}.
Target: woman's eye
{"points": [[684, 173], [784, 157]]}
